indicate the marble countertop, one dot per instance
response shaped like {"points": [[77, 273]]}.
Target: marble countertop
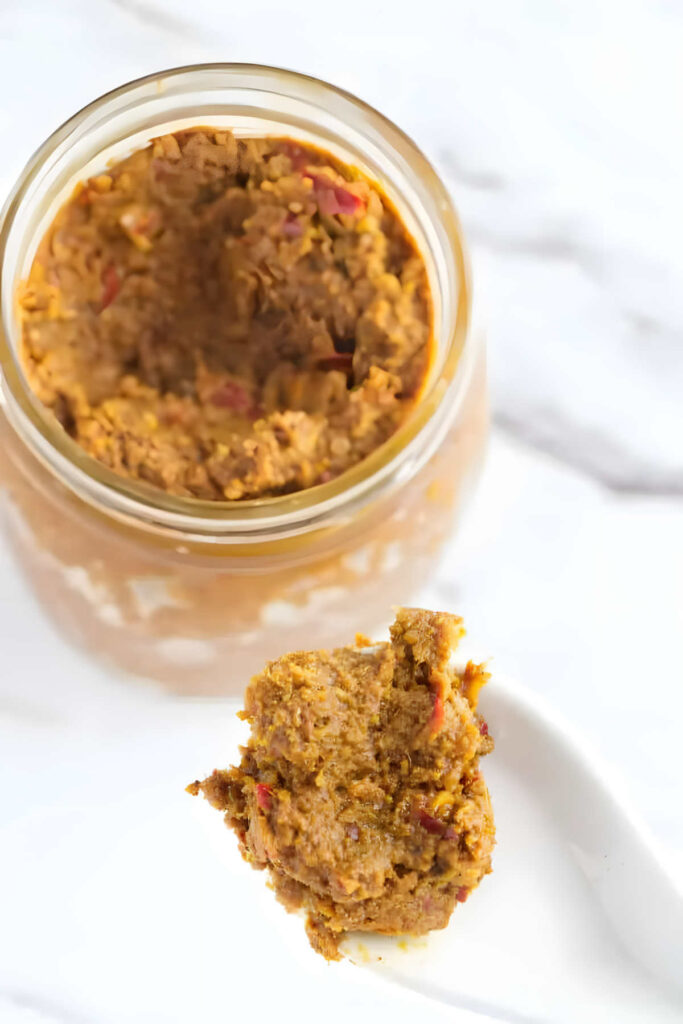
{"points": [[558, 128]]}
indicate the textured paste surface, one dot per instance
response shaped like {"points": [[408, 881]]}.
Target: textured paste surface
{"points": [[227, 318], [360, 788]]}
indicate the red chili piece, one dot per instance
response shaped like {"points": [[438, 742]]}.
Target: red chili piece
{"points": [[468, 780], [232, 396], [291, 226], [296, 154], [342, 361], [431, 824], [333, 199], [483, 728], [435, 827], [264, 796], [160, 169], [437, 715], [462, 894], [111, 285]]}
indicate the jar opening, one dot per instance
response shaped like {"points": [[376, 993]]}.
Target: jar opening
{"points": [[256, 101]]}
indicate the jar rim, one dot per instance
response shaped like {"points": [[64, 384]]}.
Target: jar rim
{"points": [[136, 501]]}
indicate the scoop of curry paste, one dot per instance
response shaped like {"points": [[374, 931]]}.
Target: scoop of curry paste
{"points": [[360, 789], [227, 318]]}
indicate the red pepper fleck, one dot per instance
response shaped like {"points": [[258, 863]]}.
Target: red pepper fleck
{"points": [[431, 824], [160, 169], [333, 199], [264, 796], [483, 728], [342, 361], [435, 827], [298, 156], [111, 285], [467, 780], [462, 893], [291, 226], [232, 396], [437, 715]]}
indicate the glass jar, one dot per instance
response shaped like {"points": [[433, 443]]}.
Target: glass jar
{"points": [[198, 594]]}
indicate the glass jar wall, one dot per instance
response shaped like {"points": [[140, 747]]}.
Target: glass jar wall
{"points": [[198, 594]]}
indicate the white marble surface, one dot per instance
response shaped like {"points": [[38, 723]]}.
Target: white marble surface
{"points": [[558, 127]]}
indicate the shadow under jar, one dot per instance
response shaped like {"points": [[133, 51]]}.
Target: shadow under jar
{"points": [[197, 594]]}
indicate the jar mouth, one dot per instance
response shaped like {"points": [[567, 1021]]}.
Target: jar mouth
{"points": [[293, 104]]}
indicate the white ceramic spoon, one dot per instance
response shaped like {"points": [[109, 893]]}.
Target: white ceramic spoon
{"points": [[579, 920], [125, 901]]}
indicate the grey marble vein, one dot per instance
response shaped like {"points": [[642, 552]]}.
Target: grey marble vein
{"points": [[30, 1004], [596, 455], [158, 18]]}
